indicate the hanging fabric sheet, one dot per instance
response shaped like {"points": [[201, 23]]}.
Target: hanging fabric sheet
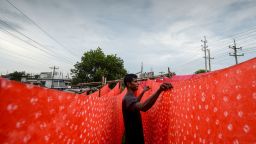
{"points": [[216, 107], [31, 114]]}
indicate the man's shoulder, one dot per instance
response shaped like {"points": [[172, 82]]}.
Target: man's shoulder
{"points": [[129, 97]]}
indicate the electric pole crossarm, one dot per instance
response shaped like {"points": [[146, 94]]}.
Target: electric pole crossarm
{"points": [[236, 54]]}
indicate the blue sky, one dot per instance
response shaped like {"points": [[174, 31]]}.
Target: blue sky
{"points": [[159, 33]]}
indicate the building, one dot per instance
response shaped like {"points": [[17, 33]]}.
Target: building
{"points": [[146, 75], [47, 79]]}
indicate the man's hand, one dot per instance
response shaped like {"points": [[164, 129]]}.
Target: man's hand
{"points": [[147, 104], [165, 86], [146, 88]]}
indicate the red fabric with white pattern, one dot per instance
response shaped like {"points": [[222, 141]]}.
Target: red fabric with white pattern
{"points": [[32, 114], [217, 107]]}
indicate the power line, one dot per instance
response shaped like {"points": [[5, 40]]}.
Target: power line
{"points": [[244, 45], [27, 57], [21, 34], [243, 35], [10, 53], [240, 34], [19, 57], [249, 44], [248, 51], [40, 49], [225, 56], [220, 59], [6, 31], [252, 42], [25, 41], [45, 49], [249, 48], [39, 27], [222, 54], [241, 40]]}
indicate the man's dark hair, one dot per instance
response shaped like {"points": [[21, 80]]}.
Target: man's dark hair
{"points": [[129, 78]]}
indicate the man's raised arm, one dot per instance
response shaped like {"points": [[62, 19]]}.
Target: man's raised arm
{"points": [[146, 88], [152, 99]]}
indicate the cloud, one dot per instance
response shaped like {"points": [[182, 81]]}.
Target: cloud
{"points": [[159, 33]]}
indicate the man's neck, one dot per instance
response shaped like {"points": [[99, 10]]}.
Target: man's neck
{"points": [[130, 92]]}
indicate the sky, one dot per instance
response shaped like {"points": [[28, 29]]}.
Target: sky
{"points": [[38, 34]]}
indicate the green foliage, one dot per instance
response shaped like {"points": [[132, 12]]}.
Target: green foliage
{"points": [[16, 75], [95, 64], [200, 71]]}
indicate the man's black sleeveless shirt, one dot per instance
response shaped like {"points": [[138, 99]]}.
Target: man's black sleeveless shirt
{"points": [[132, 121]]}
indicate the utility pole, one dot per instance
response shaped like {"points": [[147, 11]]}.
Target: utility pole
{"points": [[141, 68], [169, 72], [54, 68], [141, 71], [204, 46], [235, 51], [209, 59]]}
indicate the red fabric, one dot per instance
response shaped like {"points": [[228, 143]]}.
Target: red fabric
{"points": [[216, 107], [160, 79], [32, 114], [182, 77], [104, 90], [84, 93]]}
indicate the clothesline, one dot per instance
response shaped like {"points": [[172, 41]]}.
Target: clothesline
{"points": [[120, 80]]}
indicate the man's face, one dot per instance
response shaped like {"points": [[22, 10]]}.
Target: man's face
{"points": [[134, 84]]}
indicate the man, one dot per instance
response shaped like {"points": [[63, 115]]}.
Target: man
{"points": [[131, 108]]}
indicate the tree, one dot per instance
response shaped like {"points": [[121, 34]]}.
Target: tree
{"points": [[95, 64], [200, 71], [16, 75]]}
